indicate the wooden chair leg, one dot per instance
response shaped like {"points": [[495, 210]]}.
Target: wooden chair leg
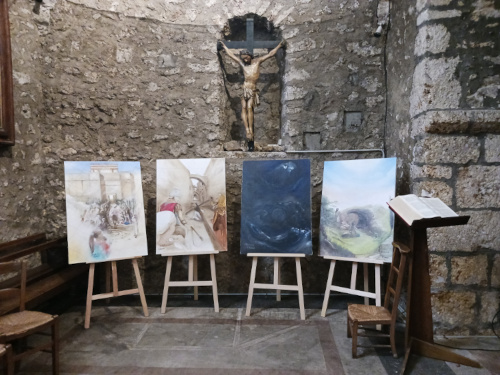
{"points": [[9, 360], [349, 333], [392, 334], [354, 339], [55, 347]]}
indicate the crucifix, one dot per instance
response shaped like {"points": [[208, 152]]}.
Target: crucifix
{"points": [[251, 72]]}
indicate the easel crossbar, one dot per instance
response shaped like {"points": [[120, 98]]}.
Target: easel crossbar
{"points": [[190, 283], [275, 286], [355, 292], [115, 294]]}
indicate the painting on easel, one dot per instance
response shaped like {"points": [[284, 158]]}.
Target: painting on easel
{"points": [[105, 211], [191, 206], [276, 207], [356, 221]]}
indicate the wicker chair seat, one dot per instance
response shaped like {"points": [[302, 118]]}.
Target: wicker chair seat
{"points": [[366, 314], [20, 323]]}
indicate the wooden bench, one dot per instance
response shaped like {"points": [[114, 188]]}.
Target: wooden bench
{"points": [[47, 279]]}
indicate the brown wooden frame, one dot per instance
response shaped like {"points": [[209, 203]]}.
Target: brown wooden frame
{"points": [[7, 132]]}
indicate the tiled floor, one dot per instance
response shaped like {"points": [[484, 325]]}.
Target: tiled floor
{"points": [[190, 338]]}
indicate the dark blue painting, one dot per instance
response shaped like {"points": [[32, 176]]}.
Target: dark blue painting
{"points": [[276, 207]]}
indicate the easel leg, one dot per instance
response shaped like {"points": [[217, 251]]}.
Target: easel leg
{"points": [[107, 275], [328, 288], [354, 274], [195, 275], [366, 285], [378, 292], [251, 286], [90, 289], [114, 276], [301, 290], [277, 277], [165, 287], [214, 283], [140, 287]]}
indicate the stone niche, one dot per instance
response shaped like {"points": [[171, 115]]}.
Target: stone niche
{"points": [[267, 115]]}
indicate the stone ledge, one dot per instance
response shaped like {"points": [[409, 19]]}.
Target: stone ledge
{"points": [[469, 121]]}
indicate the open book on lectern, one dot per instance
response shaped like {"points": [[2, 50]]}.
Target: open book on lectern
{"points": [[410, 208]]}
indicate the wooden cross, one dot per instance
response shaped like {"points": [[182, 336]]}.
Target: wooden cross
{"points": [[250, 43]]}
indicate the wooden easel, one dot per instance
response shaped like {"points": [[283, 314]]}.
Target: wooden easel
{"points": [[276, 281], [192, 278], [115, 293], [419, 326], [377, 296]]}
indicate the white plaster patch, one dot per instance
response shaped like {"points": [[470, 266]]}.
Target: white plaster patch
{"points": [[364, 49], [421, 4], [212, 67], [485, 8], [296, 75], [288, 34], [123, 55], [493, 59], [21, 78], [429, 15], [371, 84], [292, 93], [432, 38], [332, 116], [153, 86], [303, 45], [490, 89]]}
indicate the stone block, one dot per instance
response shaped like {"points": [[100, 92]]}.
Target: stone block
{"points": [[436, 189], [453, 149], [453, 309], [435, 85], [495, 272], [432, 38], [438, 270], [478, 187], [490, 303], [469, 270], [480, 232], [492, 148], [457, 121], [430, 171]]}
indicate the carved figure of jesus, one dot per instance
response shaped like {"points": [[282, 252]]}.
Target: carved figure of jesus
{"points": [[250, 96]]}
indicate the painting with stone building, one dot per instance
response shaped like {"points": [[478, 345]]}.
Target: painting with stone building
{"points": [[276, 207], [105, 211], [191, 206], [355, 220]]}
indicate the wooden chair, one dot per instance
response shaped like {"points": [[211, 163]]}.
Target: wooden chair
{"points": [[6, 350], [362, 315], [18, 326]]}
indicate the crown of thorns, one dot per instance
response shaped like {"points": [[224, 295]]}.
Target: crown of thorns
{"points": [[246, 52]]}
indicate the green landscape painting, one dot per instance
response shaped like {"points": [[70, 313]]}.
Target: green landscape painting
{"points": [[356, 221]]}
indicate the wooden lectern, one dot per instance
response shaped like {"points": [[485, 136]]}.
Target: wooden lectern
{"points": [[419, 327]]}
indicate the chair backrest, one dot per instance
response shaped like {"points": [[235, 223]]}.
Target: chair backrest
{"points": [[397, 273], [18, 290]]}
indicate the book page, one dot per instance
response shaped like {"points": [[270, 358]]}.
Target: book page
{"points": [[423, 210], [403, 206], [438, 207]]}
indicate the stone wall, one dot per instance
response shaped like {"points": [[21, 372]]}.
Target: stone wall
{"points": [[455, 124], [128, 80]]}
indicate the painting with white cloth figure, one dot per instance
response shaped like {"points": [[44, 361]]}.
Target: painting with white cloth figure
{"points": [[191, 206], [105, 211], [355, 220]]}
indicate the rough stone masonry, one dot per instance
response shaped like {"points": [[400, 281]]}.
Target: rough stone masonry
{"points": [[129, 80]]}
